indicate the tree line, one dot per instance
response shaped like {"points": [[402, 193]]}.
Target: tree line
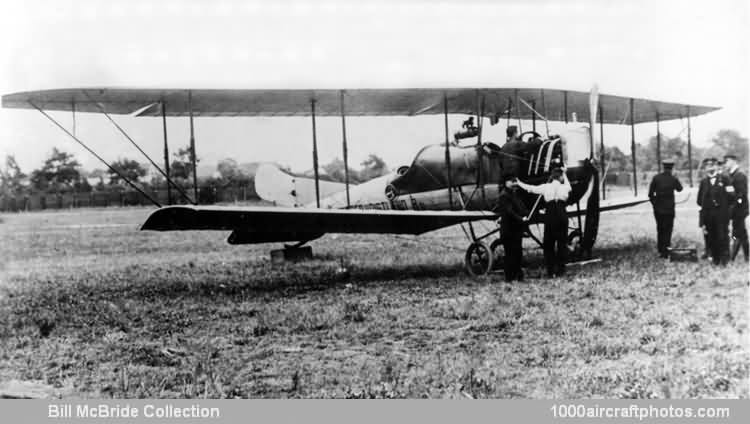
{"points": [[62, 173], [723, 142]]}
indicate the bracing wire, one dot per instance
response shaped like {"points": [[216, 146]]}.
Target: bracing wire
{"points": [[130, 183], [169, 180]]}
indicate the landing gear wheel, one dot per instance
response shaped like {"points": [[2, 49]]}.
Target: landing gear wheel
{"points": [[497, 254], [478, 259]]}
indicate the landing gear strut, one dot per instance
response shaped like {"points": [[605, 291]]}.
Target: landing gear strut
{"points": [[480, 258]]}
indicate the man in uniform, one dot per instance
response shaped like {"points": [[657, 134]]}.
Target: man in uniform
{"points": [[706, 243], [555, 242], [738, 209], [511, 134], [532, 147], [512, 152], [513, 218], [661, 194], [714, 199]]}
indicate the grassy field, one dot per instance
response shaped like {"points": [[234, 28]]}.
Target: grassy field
{"points": [[94, 308]]}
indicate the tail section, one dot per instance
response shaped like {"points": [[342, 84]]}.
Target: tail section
{"points": [[275, 185]]}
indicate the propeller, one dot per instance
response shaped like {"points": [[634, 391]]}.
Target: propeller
{"points": [[593, 106]]}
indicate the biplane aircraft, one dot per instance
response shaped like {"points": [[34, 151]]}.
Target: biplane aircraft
{"points": [[456, 181]]}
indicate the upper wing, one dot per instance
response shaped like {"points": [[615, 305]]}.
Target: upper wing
{"points": [[266, 224], [397, 101]]}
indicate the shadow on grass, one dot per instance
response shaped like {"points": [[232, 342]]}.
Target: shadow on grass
{"points": [[166, 301], [635, 246], [239, 279], [100, 292]]}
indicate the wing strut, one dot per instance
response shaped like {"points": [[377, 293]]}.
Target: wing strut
{"points": [[632, 149], [517, 105], [447, 152], [123, 132], [544, 111], [480, 124], [658, 144], [166, 148], [130, 183], [690, 150], [345, 151], [73, 112], [601, 153], [315, 154], [480, 116], [192, 147]]}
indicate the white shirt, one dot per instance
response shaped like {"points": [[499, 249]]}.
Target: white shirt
{"points": [[551, 191]]}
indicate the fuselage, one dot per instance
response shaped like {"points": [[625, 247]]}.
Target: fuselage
{"points": [[473, 181]]}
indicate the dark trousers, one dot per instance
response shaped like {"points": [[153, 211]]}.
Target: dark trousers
{"points": [[717, 227], [706, 242], [555, 238], [513, 246], [739, 233], [664, 226]]}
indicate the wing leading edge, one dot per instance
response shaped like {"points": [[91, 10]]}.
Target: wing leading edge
{"points": [[272, 224]]}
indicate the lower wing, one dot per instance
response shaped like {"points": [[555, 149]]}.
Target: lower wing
{"points": [[614, 204], [274, 224], [626, 202]]}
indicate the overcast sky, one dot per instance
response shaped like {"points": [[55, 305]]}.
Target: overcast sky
{"points": [[682, 51]]}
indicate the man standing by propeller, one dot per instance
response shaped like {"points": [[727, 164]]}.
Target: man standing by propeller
{"points": [[555, 242], [738, 209], [661, 195]]}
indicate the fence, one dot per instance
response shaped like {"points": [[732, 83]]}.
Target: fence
{"points": [[42, 201]]}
